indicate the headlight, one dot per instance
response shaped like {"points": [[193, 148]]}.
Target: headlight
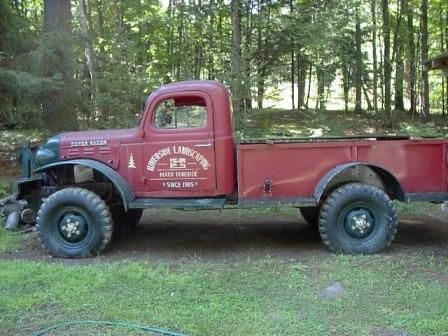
{"points": [[49, 152], [45, 156]]}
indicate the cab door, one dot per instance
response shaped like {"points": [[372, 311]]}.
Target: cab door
{"points": [[179, 148]]}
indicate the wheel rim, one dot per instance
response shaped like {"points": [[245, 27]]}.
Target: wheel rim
{"points": [[71, 227], [360, 221]]}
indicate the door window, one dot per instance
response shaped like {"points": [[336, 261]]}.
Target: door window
{"points": [[178, 113]]}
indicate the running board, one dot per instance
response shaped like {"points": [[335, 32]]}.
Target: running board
{"points": [[178, 203]]}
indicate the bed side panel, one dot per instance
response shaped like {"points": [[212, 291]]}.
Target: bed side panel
{"points": [[294, 170]]}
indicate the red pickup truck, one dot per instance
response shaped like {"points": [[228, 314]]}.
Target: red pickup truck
{"points": [[183, 155]]}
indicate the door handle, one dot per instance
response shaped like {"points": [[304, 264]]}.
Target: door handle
{"points": [[203, 145]]}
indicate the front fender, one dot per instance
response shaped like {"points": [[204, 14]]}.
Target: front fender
{"points": [[118, 181]]}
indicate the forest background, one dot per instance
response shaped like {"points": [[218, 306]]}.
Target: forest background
{"points": [[67, 65]]}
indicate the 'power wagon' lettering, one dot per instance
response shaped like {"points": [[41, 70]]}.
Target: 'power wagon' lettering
{"points": [[88, 143]]}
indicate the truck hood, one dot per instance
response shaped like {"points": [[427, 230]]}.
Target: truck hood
{"points": [[98, 138], [103, 146]]}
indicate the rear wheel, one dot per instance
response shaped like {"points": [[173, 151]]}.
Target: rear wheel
{"points": [[357, 218], [311, 215], [74, 223]]}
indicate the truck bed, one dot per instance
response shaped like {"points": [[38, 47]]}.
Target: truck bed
{"points": [[294, 167]]}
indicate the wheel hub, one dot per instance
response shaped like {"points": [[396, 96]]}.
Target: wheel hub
{"points": [[73, 228], [359, 223]]}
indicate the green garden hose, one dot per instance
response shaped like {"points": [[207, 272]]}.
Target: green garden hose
{"points": [[108, 323]]}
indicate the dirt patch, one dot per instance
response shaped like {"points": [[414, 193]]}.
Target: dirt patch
{"points": [[232, 235]]}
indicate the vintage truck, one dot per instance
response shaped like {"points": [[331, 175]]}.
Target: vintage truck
{"points": [[183, 155]]}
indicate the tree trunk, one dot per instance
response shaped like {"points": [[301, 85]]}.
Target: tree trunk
{"points": [[446, 92], [236, 55], [211, 61], [446, 46], [346, 84], [399, 63], [387, 65], [57, 16], [442, 48], [198, 48], [366, 95], [293, 68], [219, 28], [443, 97], [260, 68], [446, 28], [99, 9], [381, 73], [310, 74], [260, 90], [59, 112], [301, 79], [358, 69], [247, 94], [293, 77], [411, 49], [262, 49], [183, 63], [399, 78], [171, 65], [119, 24], [397, 30], [89, 57], [375, 60], [100, 23], [424, 55], [321, 99]]}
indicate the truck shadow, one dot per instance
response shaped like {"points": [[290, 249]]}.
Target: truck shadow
{"points": [[422, 233], [236, 234]]}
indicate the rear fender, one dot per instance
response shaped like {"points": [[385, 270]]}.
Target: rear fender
{"points": [[359, 172], [117, 180]]}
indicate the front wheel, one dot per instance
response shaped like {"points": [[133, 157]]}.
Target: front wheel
{"points": [[357, 218], [74, 223]]}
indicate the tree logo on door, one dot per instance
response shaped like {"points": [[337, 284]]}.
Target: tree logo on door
{"points": [[179, 163], [131, 163]]}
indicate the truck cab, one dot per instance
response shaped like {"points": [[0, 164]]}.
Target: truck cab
{"points": [[183, 143], [187, 143]]}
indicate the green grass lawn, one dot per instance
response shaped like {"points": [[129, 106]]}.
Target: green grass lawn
{"points": [[263, 296], [8, 241]]}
